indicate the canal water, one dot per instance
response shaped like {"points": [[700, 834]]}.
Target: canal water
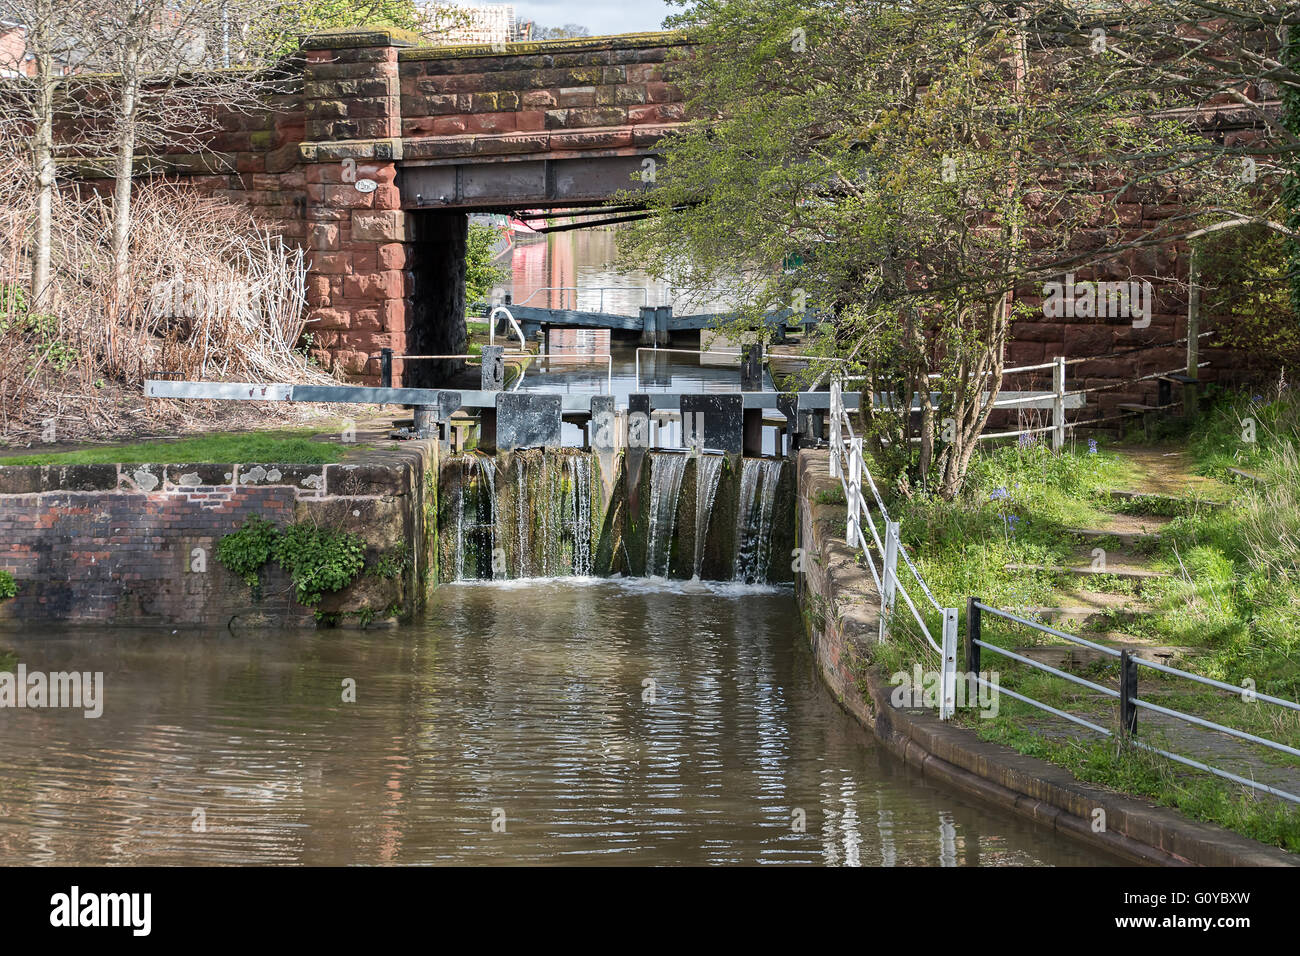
{"points": [[527, 722]]}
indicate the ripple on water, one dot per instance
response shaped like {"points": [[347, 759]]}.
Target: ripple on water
{"points": [[630, 720]]}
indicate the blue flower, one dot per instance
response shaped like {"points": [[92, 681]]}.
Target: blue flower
{"points": [[1026, 439], [1092, 446], [998, 494]]}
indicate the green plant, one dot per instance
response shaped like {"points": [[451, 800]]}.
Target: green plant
{"points": [[481, 272], [388, 566], [39, 331], [245, 550], [830, 496], [8, 586], [318, 560]]}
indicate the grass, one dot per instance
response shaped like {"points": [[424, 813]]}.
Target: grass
{"points": [[280, 447], [1232, 596], [1135, 771]]}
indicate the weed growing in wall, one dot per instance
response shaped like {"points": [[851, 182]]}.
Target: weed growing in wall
{"points": [[8, 586], [318, 560]]}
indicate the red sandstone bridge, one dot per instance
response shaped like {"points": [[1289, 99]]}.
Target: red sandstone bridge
{"points": [[375, 157]]}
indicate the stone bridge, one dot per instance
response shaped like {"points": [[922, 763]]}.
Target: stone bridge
{"points": [[376, 153], [375, 150]]}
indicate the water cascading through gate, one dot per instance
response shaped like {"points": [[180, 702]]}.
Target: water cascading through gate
{"points": [[708, 470], [666, 472], [759, 479]]}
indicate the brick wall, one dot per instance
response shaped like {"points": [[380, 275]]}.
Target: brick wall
{"points": [[540, 99], [136, 544]]}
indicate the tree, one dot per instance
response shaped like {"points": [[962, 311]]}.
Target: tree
{"points": [[50, 37], [560, 33], [481, 272], [908, 169]]}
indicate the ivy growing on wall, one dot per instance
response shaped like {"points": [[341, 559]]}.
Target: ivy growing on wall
{"points": [[8, 586]]}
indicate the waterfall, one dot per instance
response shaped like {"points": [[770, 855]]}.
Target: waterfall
{"points": [[707, 471], [759, 478], [535, 520], [521, 517], [475, 518], [578, 471], [666, 471]]}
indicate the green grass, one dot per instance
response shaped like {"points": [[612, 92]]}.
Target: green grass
{"points": [[280, 447], [831, 496], [1232, 596], [1135, 771]]}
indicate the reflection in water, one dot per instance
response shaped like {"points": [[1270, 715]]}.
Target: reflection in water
{"points": [[577, 270], [625, 721]]}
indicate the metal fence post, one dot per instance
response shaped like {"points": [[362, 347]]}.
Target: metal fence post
{"points": [[1128, 691], [887, 579], [1058, 403], [972, 635], [386, 367], [948, 675], [854, 531], [836, 447]]}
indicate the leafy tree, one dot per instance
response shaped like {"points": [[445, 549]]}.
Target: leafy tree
{"points": [[560, 33], [916, 171], [481, 271]]}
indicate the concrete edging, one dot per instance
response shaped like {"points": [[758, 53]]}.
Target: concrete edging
{"points": [[839, 629]]}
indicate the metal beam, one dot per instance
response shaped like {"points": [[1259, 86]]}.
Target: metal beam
{"points": [[532, 183], [571, 402]]}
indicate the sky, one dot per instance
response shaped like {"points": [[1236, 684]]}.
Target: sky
{"points": [[609, 16]]}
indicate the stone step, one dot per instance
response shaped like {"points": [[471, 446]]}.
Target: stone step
{"points": [[1081, 607], [1157, 498], [1068, 656], [1128, 537], [1112, 569]]}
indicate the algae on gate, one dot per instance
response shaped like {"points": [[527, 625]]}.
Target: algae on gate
{"points": [[543, 513]]}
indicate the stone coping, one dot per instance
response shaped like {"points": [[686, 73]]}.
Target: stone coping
{"points": [[649, 38]]}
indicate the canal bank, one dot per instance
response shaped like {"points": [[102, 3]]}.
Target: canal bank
{"points": [[841, 615]]}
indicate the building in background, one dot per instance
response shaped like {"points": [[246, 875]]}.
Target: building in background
{"points": [[14, 58], [486, 23]]}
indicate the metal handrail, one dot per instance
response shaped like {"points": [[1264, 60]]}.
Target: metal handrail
{"points": [[1134, 701], [492, 325], [888, 584]]}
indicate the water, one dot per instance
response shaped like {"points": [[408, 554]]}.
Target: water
{"points": [[708, 470], [544, 272], [528, 698], [758, 484], [585, 258], [528, 514], [666, 471]]}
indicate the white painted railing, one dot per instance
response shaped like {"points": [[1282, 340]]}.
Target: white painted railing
{"points": [[846, 457], [492, 324]]}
